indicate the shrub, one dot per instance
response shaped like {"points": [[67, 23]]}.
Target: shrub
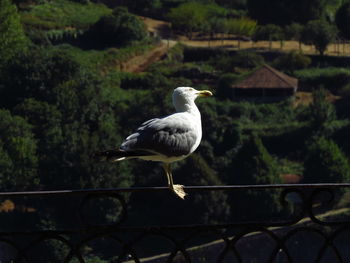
{"points": [[322, 112], [254, 165], [238, 61], [330, 78], [119, 29], [293, 31], [269, 32], [345, 91], [18, 156], [225, 81], [62, 13], [192, 54], [12, 37], [325, 163], [292, 61]]}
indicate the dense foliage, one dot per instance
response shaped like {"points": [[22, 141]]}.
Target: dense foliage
{"points": [[284, 12], [342, 19], [118, 29], [12, 38], [66, 96], [318, 33]]}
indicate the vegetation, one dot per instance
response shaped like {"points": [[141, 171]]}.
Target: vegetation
{"points": [[292, 61], [285, 12], [118, 29], [63, 13], [64, 94], [318, 33], [332, 78], [12, 38], [269, 32], [327, 161], [342, 19]]}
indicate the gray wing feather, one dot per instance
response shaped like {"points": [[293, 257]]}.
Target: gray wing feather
{"points": [[170, 136]]}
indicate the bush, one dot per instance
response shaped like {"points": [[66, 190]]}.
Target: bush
{"points": [[12, 37], [36, 74], [119, 29], [192, 54], [322, 112], [325, 163], [239, 61], [293, 31], [60, 14], [269, 32], [225, 81], [254, 165], [292, 61], [18, 156], [332, 79], [345, 91]]}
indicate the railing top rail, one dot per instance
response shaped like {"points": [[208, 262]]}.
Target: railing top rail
{"points": [[161, 188]]}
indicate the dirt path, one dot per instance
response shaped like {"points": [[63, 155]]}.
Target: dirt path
{"points": [[162, 29], [333, 49], [141, 62]]}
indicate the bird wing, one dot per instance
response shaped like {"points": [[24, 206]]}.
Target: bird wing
{"points": [[174, 135]]}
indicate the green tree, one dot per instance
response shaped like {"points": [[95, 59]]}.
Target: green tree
{"points": [[254, 165], [46, 122], [322, 112], [188, 17], [318, 33], [241, 27], [214, 19], [269, 32], [18, 154], [235, 4], [213, 207], [12, 37], [342, 19], [325, 162], [36, 74], [89, 124], [293, 32], [284, 12], [121, 28], [141, 7]]}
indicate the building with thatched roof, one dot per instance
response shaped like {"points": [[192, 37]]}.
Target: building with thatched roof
{"points": [[266, 82]]}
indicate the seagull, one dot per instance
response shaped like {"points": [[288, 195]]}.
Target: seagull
{"points": [[168, 139]]}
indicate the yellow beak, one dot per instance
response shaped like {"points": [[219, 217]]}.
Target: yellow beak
{"points": [[204, 93]]}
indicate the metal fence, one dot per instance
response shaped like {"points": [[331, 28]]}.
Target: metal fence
{"points": [[314, 230]]}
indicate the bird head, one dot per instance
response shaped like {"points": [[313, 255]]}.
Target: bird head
{"points": [[187, 95]]}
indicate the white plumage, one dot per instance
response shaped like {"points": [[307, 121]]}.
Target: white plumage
{"points": [[168, 139]]}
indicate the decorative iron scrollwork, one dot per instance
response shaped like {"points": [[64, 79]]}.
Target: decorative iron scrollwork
{"points": [[234, 239]]}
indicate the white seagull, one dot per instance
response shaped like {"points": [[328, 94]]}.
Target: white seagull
{"points": [[168, 139]]}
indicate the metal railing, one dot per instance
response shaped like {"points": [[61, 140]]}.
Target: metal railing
{"points": [[314, 230]]}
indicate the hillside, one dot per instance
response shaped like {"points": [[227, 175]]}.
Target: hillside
{"points": [[78, 77]]}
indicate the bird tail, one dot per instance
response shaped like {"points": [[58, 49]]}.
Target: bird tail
{"points": [[117, 155], [109, 155]]}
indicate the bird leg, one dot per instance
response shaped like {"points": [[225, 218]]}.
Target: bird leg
{"points": [[178, 189]]}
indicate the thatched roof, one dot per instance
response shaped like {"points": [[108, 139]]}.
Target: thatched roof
{"points": [[267, 77]]}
